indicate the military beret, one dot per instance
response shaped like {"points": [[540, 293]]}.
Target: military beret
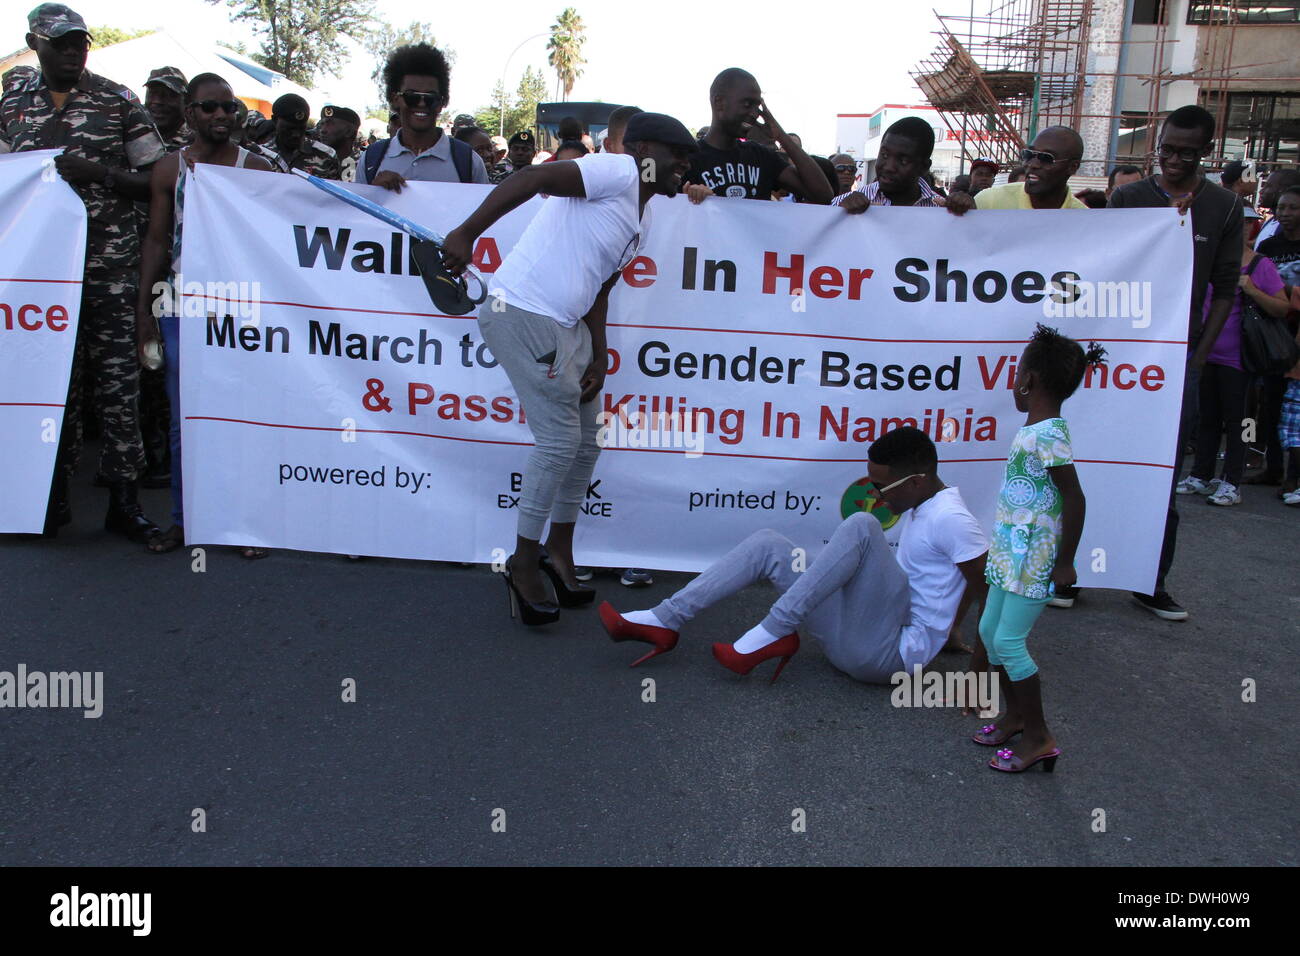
{"points": [[342, 112], [290, 106]]}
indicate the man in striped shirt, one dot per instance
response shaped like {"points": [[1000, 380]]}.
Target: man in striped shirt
{"points": [[904, 157]]}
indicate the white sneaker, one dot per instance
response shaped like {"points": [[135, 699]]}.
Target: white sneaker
{"points": [[1194, 486], [1226, 494], [1291, 498]]}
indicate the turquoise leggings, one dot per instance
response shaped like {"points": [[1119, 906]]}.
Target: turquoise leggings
{"points": [[1004, 626]]}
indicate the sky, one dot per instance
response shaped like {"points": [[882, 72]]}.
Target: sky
{"points": [[810, 66]]}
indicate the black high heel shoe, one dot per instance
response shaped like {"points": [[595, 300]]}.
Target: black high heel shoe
{"points": [[567, 596], [531, 614]]}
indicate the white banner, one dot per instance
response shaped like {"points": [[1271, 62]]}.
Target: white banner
{"points": [[42, 257], [326, 407]]}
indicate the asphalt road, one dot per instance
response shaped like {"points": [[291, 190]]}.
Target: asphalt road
{"points": [[223, 692]]}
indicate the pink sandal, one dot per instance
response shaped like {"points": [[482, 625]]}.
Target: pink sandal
{"points": [[1008, 762], [985, 737]]}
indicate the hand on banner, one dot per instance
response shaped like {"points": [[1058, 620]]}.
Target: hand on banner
{"points": [[958, 203], [389, 180], [855, 202], [698, 192], [593, 379], [457, 252], [79, 171]]}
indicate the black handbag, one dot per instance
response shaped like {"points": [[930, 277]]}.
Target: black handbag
{"points": [[1268, 347]]}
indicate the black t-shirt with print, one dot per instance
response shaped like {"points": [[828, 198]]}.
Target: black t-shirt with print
{"points": [[1285, 254], [749, 171]]}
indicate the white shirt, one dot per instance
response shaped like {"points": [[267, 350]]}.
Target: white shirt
{"points": [[937, 535], [574, 245]]}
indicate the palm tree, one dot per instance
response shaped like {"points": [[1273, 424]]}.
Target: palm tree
{"points": [[565, 48]]}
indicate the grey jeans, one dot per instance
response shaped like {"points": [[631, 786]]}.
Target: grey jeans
{"points": [[558, 471], [853, 598]]}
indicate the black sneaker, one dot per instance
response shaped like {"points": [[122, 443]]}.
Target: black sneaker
{"points": [[583, 574], [1162, 605], [1063, 597]]}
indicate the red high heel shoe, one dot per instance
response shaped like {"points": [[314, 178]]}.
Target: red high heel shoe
{"points": [[784, 648], [663, 639]]}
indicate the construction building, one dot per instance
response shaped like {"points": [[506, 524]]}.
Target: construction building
{"points": [[1112, 69]]}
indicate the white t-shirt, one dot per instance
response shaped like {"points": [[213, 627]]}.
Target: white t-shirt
{"points": [[573, 245], [937, 535]]}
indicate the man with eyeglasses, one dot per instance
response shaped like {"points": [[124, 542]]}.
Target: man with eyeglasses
{"points": [[417, 79], [875, 608], [212, 112], [1186, 137], [1050, 161], [291, 147], [846, 171], [108, 142]]}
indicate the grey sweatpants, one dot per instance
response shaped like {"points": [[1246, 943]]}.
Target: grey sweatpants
{"points": [[853, 598], [564, 430]]}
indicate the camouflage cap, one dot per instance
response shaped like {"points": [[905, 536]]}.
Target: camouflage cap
{"points": [[52, 20], [342, 112], [464, 119], [169, 77]]}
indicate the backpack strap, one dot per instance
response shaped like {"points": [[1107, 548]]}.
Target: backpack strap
{"points": [[463, 157], [374, 155]]}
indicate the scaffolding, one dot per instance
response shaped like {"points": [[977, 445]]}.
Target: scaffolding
{"points": [[1029, 64]]}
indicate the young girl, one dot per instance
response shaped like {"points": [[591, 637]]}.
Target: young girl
{"points": [[1039, 520]]}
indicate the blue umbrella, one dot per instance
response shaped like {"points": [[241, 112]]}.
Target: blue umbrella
{"points": [[448, 292]]}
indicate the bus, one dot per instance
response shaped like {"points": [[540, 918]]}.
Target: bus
{"points": [[594, 117]]}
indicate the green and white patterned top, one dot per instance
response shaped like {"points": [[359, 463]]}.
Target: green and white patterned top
{"points": [[1027, 529]]}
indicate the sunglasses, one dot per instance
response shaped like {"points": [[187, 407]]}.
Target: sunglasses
{"points": [[1186, 154], [1027, 156], [69, 41], [891, 487], [412, 98], [211, 106], [845, 167]]}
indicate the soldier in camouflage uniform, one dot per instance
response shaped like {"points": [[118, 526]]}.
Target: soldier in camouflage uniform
{"points": [[337, 129], [292, 148], [164, 99], [109, 142]]}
